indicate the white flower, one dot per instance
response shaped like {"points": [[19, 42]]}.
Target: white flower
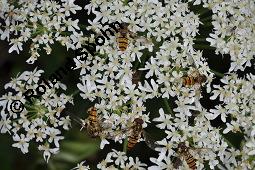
{"points": [[152, 67], [218, 111], [136, 164], [165, 150], [251, 146], [165, 164], [165, 119], [52, 133], [233, 126], [31, 76], [103, 164], [47, 151], [121, 158], [80, 166], [22, 142], [65, 122], [103, 143], [17, 45], [5, 124], [153, 89]]}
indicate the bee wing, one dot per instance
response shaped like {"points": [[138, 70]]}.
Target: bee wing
{"points": [[105, 125], [198, 153], [116, 133], [151, 143], [200, 149], [177, 162], [77, 119], [195, 73]]}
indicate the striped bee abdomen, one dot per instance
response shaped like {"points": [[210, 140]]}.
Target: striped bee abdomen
{"points": [[123, 42], [92, 115], [136, 133], [188, 81], [132, 140], [184, 152], [191, 161], [93, 128]]}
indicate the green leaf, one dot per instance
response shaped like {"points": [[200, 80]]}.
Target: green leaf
{"points": [[76, 151]]}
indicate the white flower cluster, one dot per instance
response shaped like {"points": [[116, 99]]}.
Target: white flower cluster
{"points": [[207, 142], [109, 74], [116, 159], [40, 121], [41, 22], [234, 34], [238, 102]]}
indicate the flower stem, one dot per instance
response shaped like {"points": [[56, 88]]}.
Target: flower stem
{"points": [[168, 107], [82, 26], [125, 2], [201, 39], [51, 166], [204, 11], [202, 46], [217, 73], [206, 19], [75, 92], [125, 145], [207, 24]]}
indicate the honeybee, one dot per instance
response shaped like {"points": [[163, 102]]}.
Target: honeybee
{"points": [[136, 133], [191, 80], [123, 35], [93, 123], [183, 151]]}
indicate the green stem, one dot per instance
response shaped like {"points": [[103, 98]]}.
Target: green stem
{"points": [[75, 92], [202, 46], [82, 26], [51, 166], [207, 24], [168, 107], [203, 11], [125, 2], [217, 73], [206, 19], [201, 39], [125, 145]]}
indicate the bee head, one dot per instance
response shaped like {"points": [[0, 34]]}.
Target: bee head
{"points": [[124, 24], [182, 146], [93, 108], [139, 121], [203, 78]]}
